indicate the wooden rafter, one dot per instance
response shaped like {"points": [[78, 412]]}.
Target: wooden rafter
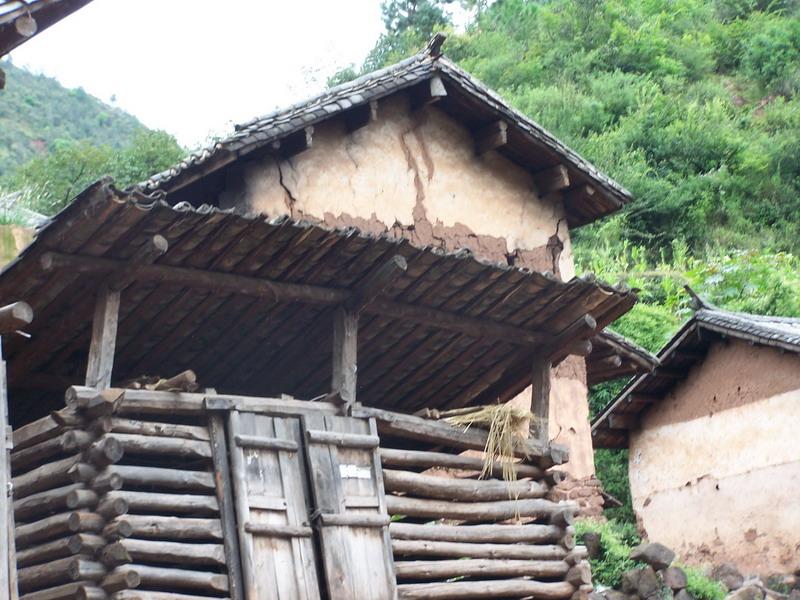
{"points": [[282, 291]]}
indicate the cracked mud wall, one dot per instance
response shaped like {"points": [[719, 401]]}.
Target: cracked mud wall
{"points": [[417, 176], [715, 467], [414, 175]]}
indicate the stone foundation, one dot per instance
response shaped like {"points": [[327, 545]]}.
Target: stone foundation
{"points": [[586, 492]]}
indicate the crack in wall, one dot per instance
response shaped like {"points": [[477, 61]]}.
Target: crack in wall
{"points": [[291, 201]]}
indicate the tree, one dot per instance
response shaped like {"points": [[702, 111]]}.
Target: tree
{"points": [[56, 177]]}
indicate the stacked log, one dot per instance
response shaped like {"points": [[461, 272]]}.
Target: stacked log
{"points": [[111, 506], [457, 535]]}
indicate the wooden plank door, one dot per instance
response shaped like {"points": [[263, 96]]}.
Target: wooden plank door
{"points": [[268, 471], [350, 510]]}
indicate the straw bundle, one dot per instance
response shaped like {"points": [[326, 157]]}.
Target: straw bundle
{"points": [[504, 423]]}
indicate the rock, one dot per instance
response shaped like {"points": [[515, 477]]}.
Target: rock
{"points": [[596, 596], [614, 595], [648, 583], [592, 542], [684, 595], [656, 555], [630, 580], [674, 578], [748, 592], [728, 575], [794, 595]]}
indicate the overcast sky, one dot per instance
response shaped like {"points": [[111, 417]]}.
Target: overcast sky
{"points": [[194, 67]]}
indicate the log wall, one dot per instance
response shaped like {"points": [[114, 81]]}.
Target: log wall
{"points": [[114, 506], [457, 535], [116, 497]]}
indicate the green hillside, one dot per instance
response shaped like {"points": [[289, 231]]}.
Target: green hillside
{"points": [[37, 111]]}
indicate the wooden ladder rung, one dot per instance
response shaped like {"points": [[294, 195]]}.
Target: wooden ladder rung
{"points": [[346, 440], [280, 531], [265, 443]]}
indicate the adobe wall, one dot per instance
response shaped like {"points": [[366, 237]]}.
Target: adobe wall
{"points": [[715, 467], [13, 239], [416, 175]]}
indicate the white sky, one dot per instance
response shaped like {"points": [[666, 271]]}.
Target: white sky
{"points": [[194, 67]]}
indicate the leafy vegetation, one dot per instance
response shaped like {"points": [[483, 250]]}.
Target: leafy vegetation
{"points": [[617, 539], [702, 587], [37, 113], [69, 167], [54, 142]]}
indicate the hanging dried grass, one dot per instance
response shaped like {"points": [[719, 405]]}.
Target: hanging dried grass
{"points": [[504, 423]]}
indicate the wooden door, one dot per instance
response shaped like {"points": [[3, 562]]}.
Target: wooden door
{"points": [[350, 510], [272, 508]]}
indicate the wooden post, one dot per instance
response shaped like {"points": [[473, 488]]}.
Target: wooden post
{"points": [[345, 346], [540, 402], [104, 339]]}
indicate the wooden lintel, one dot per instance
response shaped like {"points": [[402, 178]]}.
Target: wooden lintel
{"points": [[345, 352], [427, 92], [540, 401], [361, 116], [491, 137], [277, 291], [552, 179], [294, 143], [622, 421], [104, 339], [376, 282], [15, 316]]}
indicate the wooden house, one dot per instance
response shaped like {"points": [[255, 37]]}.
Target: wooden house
{"points": [[714, 459], [327, 272]]}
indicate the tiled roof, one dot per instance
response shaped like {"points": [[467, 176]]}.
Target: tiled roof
{"points": [[681, 353], [467, 98]]}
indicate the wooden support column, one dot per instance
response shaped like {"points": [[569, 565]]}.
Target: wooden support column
{"points": [[104, 339], [12, 317], [540, 402], [345, 349]]}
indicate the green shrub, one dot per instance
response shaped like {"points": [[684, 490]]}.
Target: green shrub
{"points": [[616, 541], [702, 587]]}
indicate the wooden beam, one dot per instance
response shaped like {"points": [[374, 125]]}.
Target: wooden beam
{"points": [[345, 351], [15, 316], [294, 143], [540, 401], [491, 137], [104, 339], [580, 329], [427, 92], [361, 116], [278, 291], [145, 255], [584, 193], [552, 179], [610, 362], [376, 282], [580, 348], [623, 421]]}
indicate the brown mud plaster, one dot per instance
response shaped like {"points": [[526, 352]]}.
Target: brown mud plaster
{"points": [[572, 367]]}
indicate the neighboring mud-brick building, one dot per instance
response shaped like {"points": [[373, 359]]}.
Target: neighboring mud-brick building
{"points": [[714, 453]]}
